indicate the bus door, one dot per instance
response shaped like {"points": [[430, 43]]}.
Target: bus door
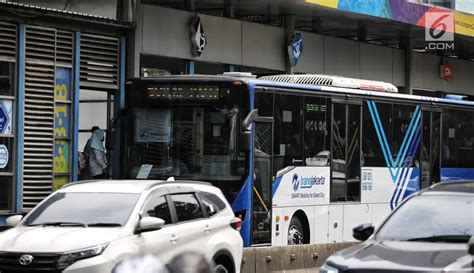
{"points": [[345, 151], [430, 147], [262, 171]]}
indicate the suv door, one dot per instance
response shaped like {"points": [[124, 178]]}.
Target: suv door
{"points": [[158, 242], [189, 234]]}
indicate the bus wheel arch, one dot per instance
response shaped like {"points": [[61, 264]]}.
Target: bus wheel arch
{"points": [[298, 229]]}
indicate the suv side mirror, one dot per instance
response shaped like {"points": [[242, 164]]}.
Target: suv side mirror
{"points": [[470, 248], [14, 220], [150, 224], [362, 232]]}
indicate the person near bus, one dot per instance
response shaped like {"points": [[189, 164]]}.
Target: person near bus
{"points": [[97, 158]]}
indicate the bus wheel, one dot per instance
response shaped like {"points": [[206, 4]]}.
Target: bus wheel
{"points": [[295, 232]]}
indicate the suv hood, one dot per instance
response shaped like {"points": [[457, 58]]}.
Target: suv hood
{"points": [[55, 239], [398, 256]]}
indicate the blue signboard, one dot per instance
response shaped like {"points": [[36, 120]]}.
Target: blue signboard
{"points": [[4, 118], [295, 48]]}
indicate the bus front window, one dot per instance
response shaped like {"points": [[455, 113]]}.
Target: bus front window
{"points": [[188, 142]]}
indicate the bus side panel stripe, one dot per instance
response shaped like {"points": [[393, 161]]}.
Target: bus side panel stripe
{"points": [[406, 135], [385, 142], [379, 137]]}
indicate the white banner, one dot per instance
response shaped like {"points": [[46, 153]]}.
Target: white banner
{"points": [[153, 125]]}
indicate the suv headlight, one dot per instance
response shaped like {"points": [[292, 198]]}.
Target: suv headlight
{"points": [[69, 258], [328, 269]]}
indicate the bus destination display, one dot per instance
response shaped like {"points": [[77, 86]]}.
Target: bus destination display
{"points": [[183, 92]]}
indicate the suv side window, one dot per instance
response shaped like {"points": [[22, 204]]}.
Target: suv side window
{"points": [[212, 203], [158, 207], [187, 207]]}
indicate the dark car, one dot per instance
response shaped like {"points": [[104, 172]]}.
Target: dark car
{"points": [[432, 231]]}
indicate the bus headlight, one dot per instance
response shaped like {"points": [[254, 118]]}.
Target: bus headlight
{"points": [[328, 269], [69, 258]]}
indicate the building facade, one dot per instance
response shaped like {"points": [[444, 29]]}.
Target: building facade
{"points": [[63, 71]]}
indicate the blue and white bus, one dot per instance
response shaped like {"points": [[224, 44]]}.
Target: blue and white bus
{"points": [[301, 158]]}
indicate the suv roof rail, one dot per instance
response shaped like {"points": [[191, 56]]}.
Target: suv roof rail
{"points": [[158, 183], [78, 182]]}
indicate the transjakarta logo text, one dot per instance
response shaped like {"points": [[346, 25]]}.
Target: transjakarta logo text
{"points": [[307, 182]]}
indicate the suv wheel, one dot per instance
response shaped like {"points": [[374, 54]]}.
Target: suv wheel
{"points": [[220, 269]]}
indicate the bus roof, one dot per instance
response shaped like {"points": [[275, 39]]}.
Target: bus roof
{"points": [[265, 82]]}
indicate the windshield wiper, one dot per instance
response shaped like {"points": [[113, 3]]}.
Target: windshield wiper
{"points": [[443, 238], [104, 225], [60, 224]]}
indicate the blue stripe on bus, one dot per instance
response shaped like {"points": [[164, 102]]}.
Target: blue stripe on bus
{"points": [[399, 169], [457, 174], [276, 184], [243, 203], [379, 135], [405, 139]]}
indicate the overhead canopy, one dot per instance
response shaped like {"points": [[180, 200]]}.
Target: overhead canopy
{"points": [[385, 22]]}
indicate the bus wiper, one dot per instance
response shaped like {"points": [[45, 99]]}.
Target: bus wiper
{"points": [[61, 224], [104, 225], [443, 238]]}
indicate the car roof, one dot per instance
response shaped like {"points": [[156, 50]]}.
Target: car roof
{"points": [[124, 186], [462, 187]]}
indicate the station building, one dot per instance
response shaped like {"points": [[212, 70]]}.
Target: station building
{"points": [[63, 64]]}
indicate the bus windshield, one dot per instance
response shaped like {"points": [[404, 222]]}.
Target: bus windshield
{"points": [[188, 138]]}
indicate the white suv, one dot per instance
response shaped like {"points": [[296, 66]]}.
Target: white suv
{"points": [[90, 226]]}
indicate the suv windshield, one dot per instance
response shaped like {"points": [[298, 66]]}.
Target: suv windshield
{"points": [[431, 218], [84, 209]]}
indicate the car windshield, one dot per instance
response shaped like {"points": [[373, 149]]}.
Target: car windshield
{"points": [[447, 218], [84, 209]]}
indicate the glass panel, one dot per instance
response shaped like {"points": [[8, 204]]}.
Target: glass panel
{"points": [[339, 141], [187, 207], [189, 131], [317, 120], [431, 220], [114, 208], [6, 78], [6, 192], [425, 150], [466, 139], [371, 143], [262, 183], [435, 146], [158, 207], [449, 152], [353, 154], [212, 203], [288, 147]]}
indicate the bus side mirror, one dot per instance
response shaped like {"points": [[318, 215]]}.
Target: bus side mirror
{"points": [[245, 141]]}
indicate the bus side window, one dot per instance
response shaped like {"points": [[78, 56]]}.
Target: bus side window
{"points": [[288, 143], [317, 117]]}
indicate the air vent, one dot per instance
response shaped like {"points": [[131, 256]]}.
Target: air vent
{"points": [[8, 34], [39, 115], [336, 81], [64, 48], [40, 44], [99, 61]]}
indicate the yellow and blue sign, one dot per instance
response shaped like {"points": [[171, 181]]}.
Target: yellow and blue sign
{"points": [[295, 49], [62, 127], [399, 10]]}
